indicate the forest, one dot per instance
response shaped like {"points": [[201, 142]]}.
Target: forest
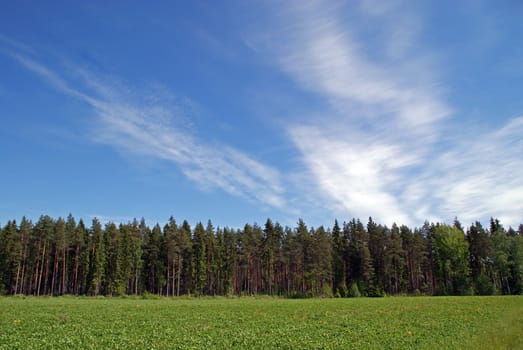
{"points": [[55, 257]]}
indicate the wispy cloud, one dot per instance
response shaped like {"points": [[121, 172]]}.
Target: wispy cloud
{"points": [[361, 148], [325, 57], [150, 124], [480, 176], [377, 148]]}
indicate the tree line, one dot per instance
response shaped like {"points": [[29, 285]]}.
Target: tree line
{"points": [[63, 256]]}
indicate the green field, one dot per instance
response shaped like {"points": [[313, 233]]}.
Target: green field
{"points": [[246, 323]]}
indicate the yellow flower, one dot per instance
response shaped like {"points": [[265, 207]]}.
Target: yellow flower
{"points": [[16, 322]]}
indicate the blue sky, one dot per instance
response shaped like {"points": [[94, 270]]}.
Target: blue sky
{"points": [[238, 111]]}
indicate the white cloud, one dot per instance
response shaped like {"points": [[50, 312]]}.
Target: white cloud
{"points": [[378, 126], [480, 176], [361, 177], [156, 128], [323, 56], [376, 150]]}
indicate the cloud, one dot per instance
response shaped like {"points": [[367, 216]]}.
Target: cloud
{"points": [[480, 176], [363, 145], [378, 147], [153, 124], [358, 176], [323, 56]]}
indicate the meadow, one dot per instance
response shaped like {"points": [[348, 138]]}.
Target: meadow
{"points": [[262, 323]]}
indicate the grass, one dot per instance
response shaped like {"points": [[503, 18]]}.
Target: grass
{"points": [[262, 323]]}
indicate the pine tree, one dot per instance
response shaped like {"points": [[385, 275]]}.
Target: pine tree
{"points": [[288, 262], [26, 228], [68, 279], [61, 257], [126, 257], [270, 251], [185, 241], [377, 236], [8, 236], [199, 260], [173, 256], [43, 233], [321, 251], [115, 282], [60, 244], [152, 274], [338, 264], [302, 260], [394, 261], [211, 263], [97, 259], [228, 260], [480, 257]]}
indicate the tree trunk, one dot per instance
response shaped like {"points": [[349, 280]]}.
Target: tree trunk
{"points": [[179, 275], [41, 271], [55, 272], [76, 266], [64, 270], [168, 279], [46, 277]]}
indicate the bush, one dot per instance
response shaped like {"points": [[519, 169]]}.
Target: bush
{"points": [[374, 292], [326, 291], [147, 295], [440, 290], [343, 291], [354, 291], [484, 286]]}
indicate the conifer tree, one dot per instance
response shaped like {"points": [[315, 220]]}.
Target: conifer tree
{"points": [[26, 228], [270, 251], [377, 236], [173, 257], [321, 251], [115, 281], [394, 261], [199, 260], [60, 245], [185, 241], [211, 257], [85, 260], [97, 259], [228, 260], [7, 237], [480, 257], [338, 264], [153, 267]]}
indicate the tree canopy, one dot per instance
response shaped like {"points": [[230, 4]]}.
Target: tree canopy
{"points": [[64, 256]]}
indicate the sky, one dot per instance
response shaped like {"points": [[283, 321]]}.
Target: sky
{"points": [[239, 111]]}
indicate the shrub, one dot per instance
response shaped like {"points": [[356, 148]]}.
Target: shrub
{"points": [[343, 291], [484, 286], [354, 291]]}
